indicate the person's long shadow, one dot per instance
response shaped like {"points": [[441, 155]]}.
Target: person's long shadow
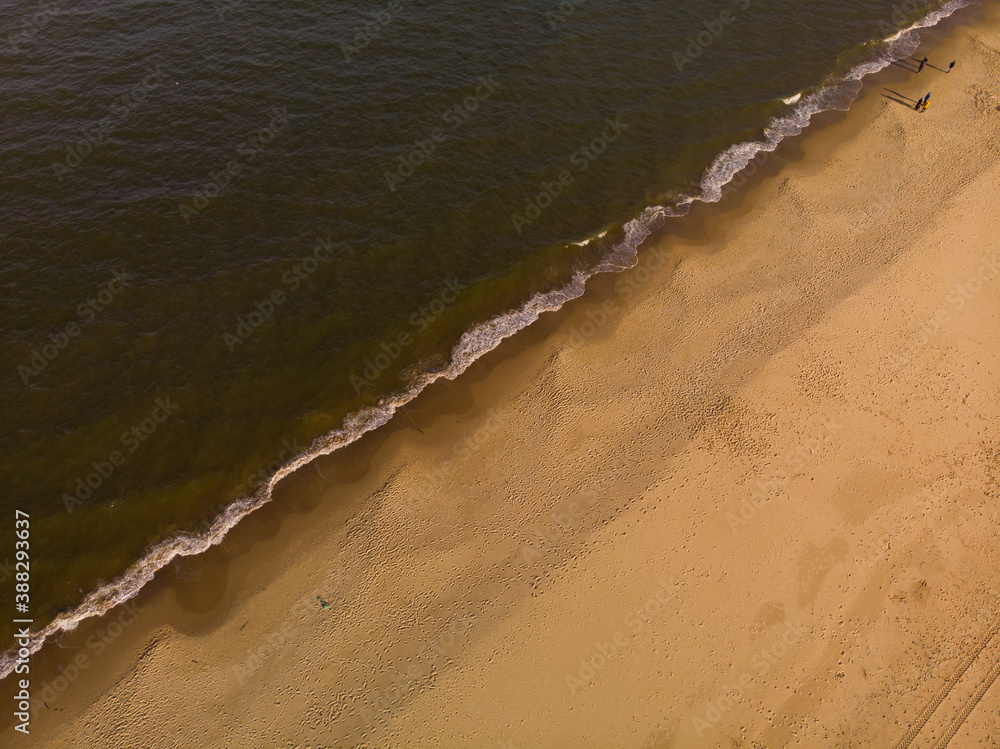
{"points": [[902, 63], [928, 64], [900, 99]]}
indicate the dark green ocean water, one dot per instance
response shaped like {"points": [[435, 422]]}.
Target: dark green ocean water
{"points": [[226, 227]]}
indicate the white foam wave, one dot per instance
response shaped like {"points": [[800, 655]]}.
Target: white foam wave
{"points": [[486, 336], [585, 242], [792, 99], [476, 342]]}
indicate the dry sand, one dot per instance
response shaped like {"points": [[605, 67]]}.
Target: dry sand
{"points": [[744, 495]]}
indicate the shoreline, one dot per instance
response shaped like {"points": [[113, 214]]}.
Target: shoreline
{"points": [[718, 180], [393, 442]]}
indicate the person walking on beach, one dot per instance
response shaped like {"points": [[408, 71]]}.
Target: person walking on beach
{"points": [[927, 100], [950, 66], [922, 63]]}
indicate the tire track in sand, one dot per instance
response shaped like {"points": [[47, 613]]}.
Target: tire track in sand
{"points": [[970, 705], [947, 687]]}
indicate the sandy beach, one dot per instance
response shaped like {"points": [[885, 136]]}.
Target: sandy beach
{"points": [[742, 495]]}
